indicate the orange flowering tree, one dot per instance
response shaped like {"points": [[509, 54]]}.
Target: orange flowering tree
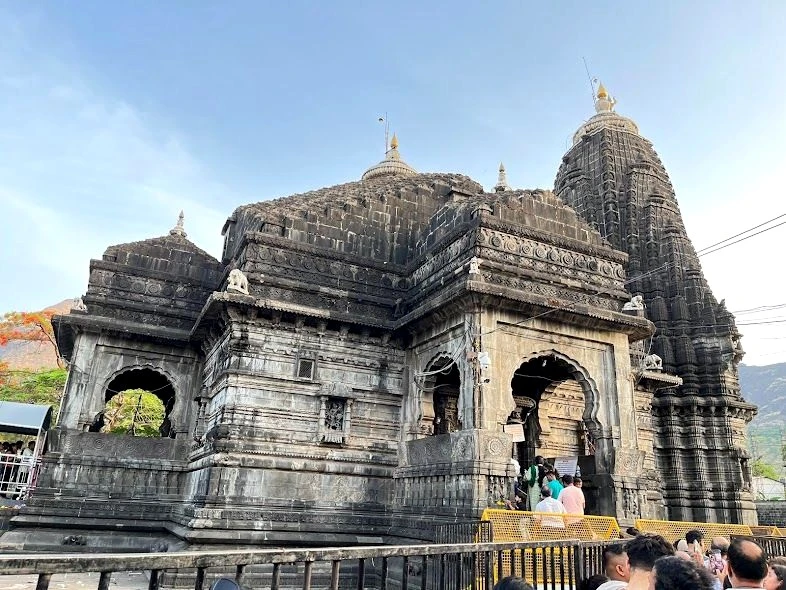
{"points": [[30, 326]]}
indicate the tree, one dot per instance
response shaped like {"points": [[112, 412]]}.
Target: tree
{"points": [[31, 326], [44, 388], [5, 373], [134, 411], [762, 469]]}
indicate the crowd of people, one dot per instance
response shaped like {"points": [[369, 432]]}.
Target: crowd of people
{"points": [[16, 460], [650, 562], [541, 489]]}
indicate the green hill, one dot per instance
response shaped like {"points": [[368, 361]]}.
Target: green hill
{"points": [[766, 387]]}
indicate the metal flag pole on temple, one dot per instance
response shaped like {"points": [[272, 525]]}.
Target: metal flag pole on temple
{"points": [[387, 128]]}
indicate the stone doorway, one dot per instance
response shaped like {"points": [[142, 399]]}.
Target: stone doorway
{"points": [[440, 399], [551, 397], [446, 396]]}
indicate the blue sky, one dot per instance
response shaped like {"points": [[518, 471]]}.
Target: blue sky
{"points": [[117, 115]]}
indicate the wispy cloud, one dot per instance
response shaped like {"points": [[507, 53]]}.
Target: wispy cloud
{"points": [[82, 169]]}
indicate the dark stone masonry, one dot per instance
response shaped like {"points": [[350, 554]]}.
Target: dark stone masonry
{"points": [[354, 367]]}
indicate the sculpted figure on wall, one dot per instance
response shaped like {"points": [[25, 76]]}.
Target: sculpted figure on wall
{"points": [[237, 282]]}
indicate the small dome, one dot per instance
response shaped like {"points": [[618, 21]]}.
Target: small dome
{"points": [[392, 165]]}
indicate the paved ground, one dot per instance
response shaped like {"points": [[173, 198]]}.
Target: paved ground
{"points": [[120, 581]]}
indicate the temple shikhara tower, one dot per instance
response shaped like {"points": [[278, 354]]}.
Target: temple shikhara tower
{"points": [[613, 178], [362, 361]]}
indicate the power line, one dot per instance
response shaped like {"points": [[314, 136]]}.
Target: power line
{"points": [[744, 232], [760, 309], [743, 239], [761, 323]]}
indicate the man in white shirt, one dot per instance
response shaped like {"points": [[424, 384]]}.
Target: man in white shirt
{"points": [[549, 504], [616, 566]]}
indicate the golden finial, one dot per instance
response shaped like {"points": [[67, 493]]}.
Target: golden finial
{"points": [[394, 142], [602, 92]]}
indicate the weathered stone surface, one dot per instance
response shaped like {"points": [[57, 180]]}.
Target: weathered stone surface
{"points": [[615, 180], [390, 329]]}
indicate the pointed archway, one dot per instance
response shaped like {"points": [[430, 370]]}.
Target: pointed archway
{"points": [[441, 390], [142, 379], [556, 401]]}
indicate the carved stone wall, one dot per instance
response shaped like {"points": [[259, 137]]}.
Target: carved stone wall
{"points": [[306, 408], [615, 180], [456, 475], [299, 456], [101, 356], [560, 415]]}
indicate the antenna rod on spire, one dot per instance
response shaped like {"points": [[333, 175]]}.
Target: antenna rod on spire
{"points": [[590, 78], [387, 127]]}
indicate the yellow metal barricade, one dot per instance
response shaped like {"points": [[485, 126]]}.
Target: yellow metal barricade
{"points": [[673, 530], [766, 531], [514, 525]]}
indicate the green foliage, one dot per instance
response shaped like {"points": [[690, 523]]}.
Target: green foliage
{"points": [[134, 411], [762, 469], [42, 387]]}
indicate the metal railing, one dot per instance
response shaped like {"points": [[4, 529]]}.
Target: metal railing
{"points": [[18, 474], [476, 531], [545, 564], [773, 546]]}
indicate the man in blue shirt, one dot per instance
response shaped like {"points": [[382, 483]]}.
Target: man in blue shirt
{"points": [[554, 484]]}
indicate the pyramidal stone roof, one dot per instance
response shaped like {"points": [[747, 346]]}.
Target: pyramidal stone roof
{"points": [[175, 246]]}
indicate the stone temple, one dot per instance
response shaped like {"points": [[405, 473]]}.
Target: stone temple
{"points": [[352, 368]]}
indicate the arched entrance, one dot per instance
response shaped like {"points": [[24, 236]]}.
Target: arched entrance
{"points": [[440, 397], [555, 402], [128, 397]]}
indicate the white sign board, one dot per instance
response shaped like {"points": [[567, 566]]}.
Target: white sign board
{"points": [[566, 465], [515, 431]]}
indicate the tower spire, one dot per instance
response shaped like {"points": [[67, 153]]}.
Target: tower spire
{"points": [[502, 180], [179, 230]]}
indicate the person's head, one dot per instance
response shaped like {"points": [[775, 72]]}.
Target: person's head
{"points": [[615, 562], [694, 536], [538, 460], [545, 492], [777, 560], [681, 545], [512, 583], [593, 582], [633, 531], [19, 444], [720, 544], [577, 482], [643, 551], [567, 480], [747, 563], [683, 554], [31, 445], [776, 574], [673, 573], [550, 476]]}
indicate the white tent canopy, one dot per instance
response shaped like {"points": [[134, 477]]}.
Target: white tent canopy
{"points": [[26, 419]]}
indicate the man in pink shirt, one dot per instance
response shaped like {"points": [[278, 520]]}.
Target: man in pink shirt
{"points": [[572, 498]]}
